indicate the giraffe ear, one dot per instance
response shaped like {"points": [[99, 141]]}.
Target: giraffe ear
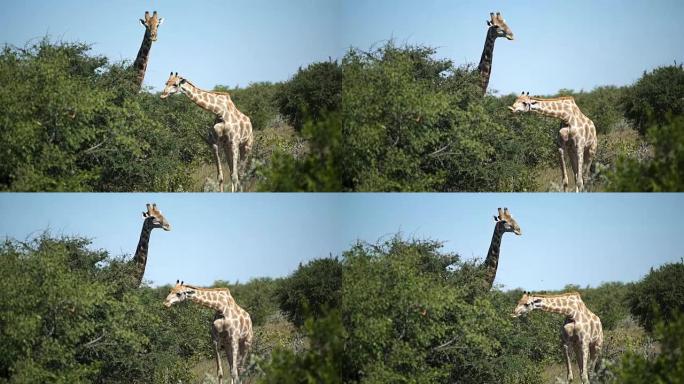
{"points": [[143, 23], [161, 20]]}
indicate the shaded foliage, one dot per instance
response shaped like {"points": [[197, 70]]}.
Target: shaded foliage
{"points": [[317, 170], [666, 367], [311, 93], [664, 171], [311, 290], [655, 95], [660, 295], [320, 363]]}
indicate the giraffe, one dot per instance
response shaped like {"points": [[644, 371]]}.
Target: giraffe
{"points": [[577, 135], [581, 329], [232, 128], [504, 223], [497, 28], [232, 326], [153, 219], [151, 23]]}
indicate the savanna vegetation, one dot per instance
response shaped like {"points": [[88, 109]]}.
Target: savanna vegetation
{"points": [[394, 311], [395, 118]]}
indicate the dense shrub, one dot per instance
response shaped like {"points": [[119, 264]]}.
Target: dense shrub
{"points": [[660, 295], [311, 290], [321, 362], [70, 121], [311, 93], [316, 170], [79, 323], [661, 172], [666, 367], [410, 319], [655, 95], [415, 123]]}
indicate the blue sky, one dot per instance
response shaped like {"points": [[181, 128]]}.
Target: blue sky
{"points": [[576, 44], [582, 239]]}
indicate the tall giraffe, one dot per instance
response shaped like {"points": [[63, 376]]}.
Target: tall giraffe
{"points": [[504, 223], [577, 135], [153, 219], [232, 128], [151, 23], [231, 328], [497, 28], [582, 328]]}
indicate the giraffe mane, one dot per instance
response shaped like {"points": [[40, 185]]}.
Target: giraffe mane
{"points": [[553, 98], [573, 293], [206, 289]]}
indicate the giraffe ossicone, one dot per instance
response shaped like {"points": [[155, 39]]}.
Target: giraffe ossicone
{"points": [[581, 330], [577, 135], [231, 327], [232, 128]]}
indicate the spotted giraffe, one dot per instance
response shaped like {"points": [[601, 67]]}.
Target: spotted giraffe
{"points": [[577, 135], [582, 328], [504, 223], [151, 23], [232, 128], [497, 28], [231, 328], [153, 218]]}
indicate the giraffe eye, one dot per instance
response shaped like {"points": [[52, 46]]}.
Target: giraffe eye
{"points": [[178, 294]]}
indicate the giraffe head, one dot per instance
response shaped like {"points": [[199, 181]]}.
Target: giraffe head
{"points": [[155, 217], [508, 222], [497, 22], [524, 103], [173, 85], [178, 293], [151, 23], [526, 304]]}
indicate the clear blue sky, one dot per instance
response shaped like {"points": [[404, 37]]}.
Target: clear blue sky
{"points": [[567, 239], [575, 44], [210, 42]]}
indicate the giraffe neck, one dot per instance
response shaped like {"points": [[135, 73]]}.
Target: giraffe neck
{"points": [[140, 64], [140, 258], [567, 305], [491, 263], [219, 300], [202, 98], [485, 66], [559, 109]]}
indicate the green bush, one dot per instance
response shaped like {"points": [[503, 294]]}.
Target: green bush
{"points": [[415, 123], [71, 122], [409, 318], [311, 93], [321, 362], [316, 170], [79, 323], [655, 95], [663, 171], [666, 367], [660, 295], [311, 290]]}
